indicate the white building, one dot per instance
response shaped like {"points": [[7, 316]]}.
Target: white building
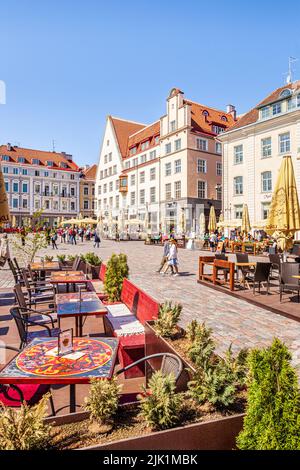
{"points": [[252, 152], [36, 180], [153, 174]]}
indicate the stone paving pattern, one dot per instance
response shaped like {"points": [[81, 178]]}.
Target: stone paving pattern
{"points": [[232, 320]]}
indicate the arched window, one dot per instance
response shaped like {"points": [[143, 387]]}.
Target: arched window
{"points": [[285, 92], [205, 113], [224, 118]]}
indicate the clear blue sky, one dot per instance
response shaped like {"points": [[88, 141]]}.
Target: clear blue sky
{"points": [[67, 64]]}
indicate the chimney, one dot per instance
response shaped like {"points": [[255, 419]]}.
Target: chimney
{"points": [[67, 156], [9, 147], [230, 109]]}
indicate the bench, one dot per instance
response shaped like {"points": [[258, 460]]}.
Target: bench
{"points": [[126, 320]]}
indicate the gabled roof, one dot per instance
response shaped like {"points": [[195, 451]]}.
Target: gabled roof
{"points": [[147, 133], [253, 115], [90, 172], [203, 123], [41, 155], [123, 129]]}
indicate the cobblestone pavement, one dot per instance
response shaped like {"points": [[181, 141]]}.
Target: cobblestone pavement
{"points": [[233, 321]]}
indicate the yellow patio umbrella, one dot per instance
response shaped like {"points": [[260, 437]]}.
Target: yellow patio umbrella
{"points": [[13, 221], [4, 209], [88, 220], [182, 221], [284, 214], [245, 228], [212, 222]]}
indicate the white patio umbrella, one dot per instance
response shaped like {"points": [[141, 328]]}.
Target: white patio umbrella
{"points": [[202, 225]]}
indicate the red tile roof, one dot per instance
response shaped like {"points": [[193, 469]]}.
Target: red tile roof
{"points": [[147, 133], [42, 156], [123, 129], [253, 115], [90, 172], [203, 123]]}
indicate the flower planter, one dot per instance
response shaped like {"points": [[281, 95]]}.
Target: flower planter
{"points": [[218, 434], [157, 344], [92, 271]]}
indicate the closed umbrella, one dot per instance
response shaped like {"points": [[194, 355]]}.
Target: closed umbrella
{"points": [[13, 221], [182, 221], [212, 222], [4, 209], [202, 225], [245, 228], [284, 214]]}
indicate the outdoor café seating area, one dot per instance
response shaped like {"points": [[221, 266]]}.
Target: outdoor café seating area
{"points": [[269, 281], [62, 331]]}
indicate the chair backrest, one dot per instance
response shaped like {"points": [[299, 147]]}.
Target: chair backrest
{"points": [[13, 270], [20, 296], [272, 250], [147, 308], [296, 249], [102, 272], [129, 295], [16, 264], [262, 271], [275, 259], [288, 270], [25, 278], [21, 326], [171, 364], [76, 263], [242, 257], [221, 256]]}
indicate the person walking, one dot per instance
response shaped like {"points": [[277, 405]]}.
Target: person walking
{"points": [[213, 240], [53, 240], [96, 240], [164, 259], [172, 258], [4, 250]]}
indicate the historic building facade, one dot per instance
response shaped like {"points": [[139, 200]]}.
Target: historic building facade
{"points": [[36, 180], [87, 191], [155, 174], [252, 153]]}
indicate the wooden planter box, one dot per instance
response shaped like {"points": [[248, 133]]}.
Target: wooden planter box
{"points": [[219, 434], [92, 271], [156, 344]]}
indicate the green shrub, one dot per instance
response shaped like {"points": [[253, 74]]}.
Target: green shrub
{"points": [[161, 405], [48, 259], [168, 318], [61, 258], [102, 402], [71, 257], [237, 365], [23, 428], [272, 419], [201, 349], [117, 270], [92, 259]]}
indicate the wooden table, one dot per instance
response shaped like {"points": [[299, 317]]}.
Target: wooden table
{"points": [[35, 364], [69, 305], [68, 277], [46, 266]]}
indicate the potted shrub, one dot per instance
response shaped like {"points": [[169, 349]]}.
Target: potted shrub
{"points": [[48, 259], [272, 416], [93, 263], [62, 260], [117, 269]]}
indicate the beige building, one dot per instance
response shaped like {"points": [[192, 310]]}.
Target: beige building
{"points": [[87, 191], [152, 175], [252, 152]]}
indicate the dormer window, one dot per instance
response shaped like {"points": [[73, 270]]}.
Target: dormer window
{"points": [[276, 109], [294, 102], [35, 161], [5, 158], [145, 145], [286, 92], [172, 126], [21, 159], [132, 151], [217, 129], [63, 165], [50, 163], [205, 113], [156, 139], [224, 118], [265, 112]]}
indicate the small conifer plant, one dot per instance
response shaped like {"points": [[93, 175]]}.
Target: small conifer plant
{"points": [[102, 402], [117, 270], [168, 318]]}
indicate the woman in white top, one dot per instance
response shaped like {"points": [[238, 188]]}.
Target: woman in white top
{"points": [[172, 258]]}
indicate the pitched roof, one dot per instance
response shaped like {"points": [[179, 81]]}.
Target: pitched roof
{"points": [[41, 155], [147, 133], [253, 115], [123, 129], [90, 172], [203, 123]]}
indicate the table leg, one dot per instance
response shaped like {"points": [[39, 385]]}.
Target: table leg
{"points": [[80, 326], [72, 398], [76, 327]]}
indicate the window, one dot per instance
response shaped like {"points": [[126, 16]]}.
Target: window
{"points": [[110, 171], [24, 187], [72, 177], [177, 165], [107, 142], [21, 159], [265, 112], [201, 166], [156, 140], [219, 192], [6, 186], [152, 194], [15, 187], [143, 158], [36, 204], [86, 190], [172, 126], [117, 202], [105, 173], [276, 109], [47, 190], [168, 191], [115, 169], [36, 173], [15, 171], [284, 143], [49, 163], [105, 203], [142, 196], [218, 147], [25, 204], [177, 144], [266, 181], [47, 205], [111, 186], [152, 154], [37, 189], [266, 147], [35, 161], [202, 144], [99, 190], [15, 203], [5, 158], [73, 207], [24, 171], [46, 174], [111, 201], [238, 211], [132, 151], [286, 92], [105, 188], [110, 157], [238, 185], [55, 190], [265, 207], [142, 177], [238, 154], [219, 169], [177, 189], [168, 169], [168, 148], [127, 165], [217, 129], [152, 174], [105, 158], [117, 184], [132, 198], [85, 204], [135, 162], [72, 191], [145, 145], [132, 180], [101, 174], [202, 189], [5, 169]]}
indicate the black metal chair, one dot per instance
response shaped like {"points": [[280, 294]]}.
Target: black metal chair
{"points": [[287, 281], [45, 315], [275, 260], [16, 275], [24, 321], [14, 395], [37, 292], [261, 274], [170, 364]]}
